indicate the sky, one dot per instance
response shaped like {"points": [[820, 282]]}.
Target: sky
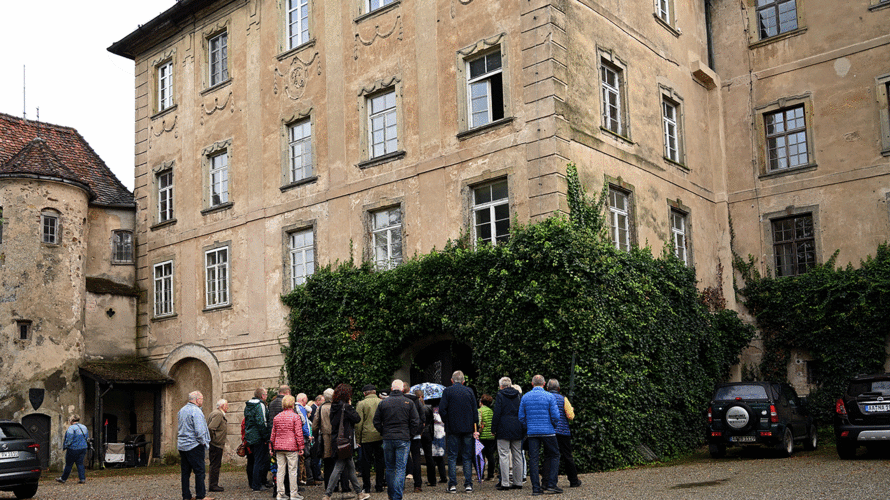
{"points": [[69, 74]]}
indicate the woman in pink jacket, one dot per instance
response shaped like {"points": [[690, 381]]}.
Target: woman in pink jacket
{"points": [[287, 441]]}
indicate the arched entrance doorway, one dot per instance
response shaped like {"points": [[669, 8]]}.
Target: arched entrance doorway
{"points": [[436, 362], [190, 374]]}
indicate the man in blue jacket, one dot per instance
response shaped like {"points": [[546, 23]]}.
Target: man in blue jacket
{"points": [[539, 415], [460, 416]]}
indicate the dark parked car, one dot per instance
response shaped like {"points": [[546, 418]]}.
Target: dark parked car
{"points": [[19, 463], [862, 415], [759, 413]]}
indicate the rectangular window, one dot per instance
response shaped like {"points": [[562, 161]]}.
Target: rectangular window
{"points": [[612, 103], [219, 179], [302, 256], [491, 213], [122, 247], [50, 224], [670, 118], [376, 4], [794, 245], [786, 139], [678, 232], [165, 196], [165, 85], [619, 214], [386, 238], [382, 127], [218, 59], [775, 17], [664, 11], [297, 22], [486, 89], [216, 268], [300, 144], [163, 283], [24, 327]]}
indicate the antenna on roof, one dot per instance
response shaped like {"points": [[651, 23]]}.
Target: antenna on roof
{"points": [[24, 103], [38, 121]]}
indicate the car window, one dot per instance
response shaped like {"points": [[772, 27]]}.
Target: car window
{"points": [[740, 391], [790, 395], [13, 431], [876, 386]]}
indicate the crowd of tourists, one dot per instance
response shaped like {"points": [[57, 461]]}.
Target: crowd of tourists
{"points": [[308, 443]]}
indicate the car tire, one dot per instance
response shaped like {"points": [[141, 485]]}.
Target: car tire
{"points": [[747, 410], [717, 450], [812, 440], [846, 451], [785, 446], [27, 491]]}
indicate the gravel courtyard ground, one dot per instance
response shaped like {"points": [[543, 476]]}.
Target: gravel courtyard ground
{"points": [[749, 474]]}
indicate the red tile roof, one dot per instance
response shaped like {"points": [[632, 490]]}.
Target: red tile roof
{"points": [[58, 152]]}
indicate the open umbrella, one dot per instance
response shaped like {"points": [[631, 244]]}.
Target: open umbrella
{"points": [[430, 390]]}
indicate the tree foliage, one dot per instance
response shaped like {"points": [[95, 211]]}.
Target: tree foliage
{"points": [[647, 351]]}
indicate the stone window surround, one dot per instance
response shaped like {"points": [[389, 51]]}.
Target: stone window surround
{"points": [[881, 93], [367, 223], [783, 103], [365, 94], [299, 115], [229, 260], [667, 92], [469, 185], [609, 56], [482, 47], [23, 326], [49, 212], [286, 231], [754, 40], [168, 56], [209, 32], [216, 149], [114, 252], [362, 13], [157, 261], [157, 171], [283, 28], [678, 206], [671, 24], [619, 184], [766, 224]]}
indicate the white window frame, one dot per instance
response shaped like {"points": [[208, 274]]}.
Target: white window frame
{"points": [[165, 85], [774, 6], [162, 278], [680, 234], [386, 120], [484, 81], [165, 195], [664, 11], [122, 247], [50, 228], [387, 244], [297, 27], [772, 153], [488, 209], [300, 150], [218, 180], [619, 213], [216, 277], [373, 5], [301, 252], [670, 114], [612, 98], [218, 58]]}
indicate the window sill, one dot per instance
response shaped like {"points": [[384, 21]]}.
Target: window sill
{"points": [[376, 12], [122, 263], [776, 38], [481, 129], [51, 245], [882, 5], [158, 319], [301, 182], [789, 171], [222, 307], [676, 163], [218, 208], [216, 87], [885, 152], [289, 52], [617, 136], [164, 224], [164, 112], [674, 31], [373, 162]]}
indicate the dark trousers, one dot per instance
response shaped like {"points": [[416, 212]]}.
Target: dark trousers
{"points": [[372, 452], [426, 444], [490, 447], [249, 468], [414, 463], [329, 464], [314, 469], [75, 457], [260, 464], [551, 461], [567, 458], [216, 455], [192, 461]]}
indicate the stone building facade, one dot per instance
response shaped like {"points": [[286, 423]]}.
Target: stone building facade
{"points": [[274, 136]]}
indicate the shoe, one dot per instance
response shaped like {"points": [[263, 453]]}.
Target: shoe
{"points": [[575, 484], [364, 496], [60, 480], [452, 489], [261, 488], [409, 477], [468, 488], [430, 484], [501, 487], [326, 497], [553, 491], [537, 493], [81, 481], [418, 489], [216, 488], [516, 487], [208, 498]]}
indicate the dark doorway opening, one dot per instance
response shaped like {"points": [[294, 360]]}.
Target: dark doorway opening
{"points": [[38, 426], [435, 363]]}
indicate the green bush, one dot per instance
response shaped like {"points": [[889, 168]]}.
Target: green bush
{"points": [[647, 351]]}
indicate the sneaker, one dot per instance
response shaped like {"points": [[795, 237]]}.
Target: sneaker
{"points": [[501, 487], [575, 484], [326, 497], [537, 493], [553, 491], [82, 481], [469, 488], [418, 489], [59, 479], [451, 489], [364, 496]]}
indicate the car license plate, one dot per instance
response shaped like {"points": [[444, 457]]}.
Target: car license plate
{"points": [[9, 454], [742, 439], [875, 408]]}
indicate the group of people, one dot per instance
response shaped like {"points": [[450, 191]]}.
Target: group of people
{"points": [[389, 431]]}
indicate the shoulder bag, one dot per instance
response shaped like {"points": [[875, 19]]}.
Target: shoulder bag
{"points": [[344, 444]]}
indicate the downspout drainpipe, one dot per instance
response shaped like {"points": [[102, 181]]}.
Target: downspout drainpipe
{"points": [[708, 29]]}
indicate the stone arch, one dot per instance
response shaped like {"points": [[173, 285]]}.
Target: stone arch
{"points": [[434, 358], [192, 367]]}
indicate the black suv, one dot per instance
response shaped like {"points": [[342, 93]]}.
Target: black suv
{"points": [[19, 463], [862, 415], [762, 413]]}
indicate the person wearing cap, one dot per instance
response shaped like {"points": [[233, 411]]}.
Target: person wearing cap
{"points": [[369, 440]]}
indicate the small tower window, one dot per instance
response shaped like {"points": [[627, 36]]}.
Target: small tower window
{"points": [[24, 327]]}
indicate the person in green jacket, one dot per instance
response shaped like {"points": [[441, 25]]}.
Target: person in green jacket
{"points": [[485, 436], [369, 440], [257, 431]]}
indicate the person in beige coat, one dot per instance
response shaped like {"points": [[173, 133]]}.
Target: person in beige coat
{"points": [[218, 427], [322, 422]]}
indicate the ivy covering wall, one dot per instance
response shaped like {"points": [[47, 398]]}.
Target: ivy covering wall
{"points": [[647, 351]]}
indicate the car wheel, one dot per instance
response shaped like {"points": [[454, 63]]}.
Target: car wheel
{"points": [[812, 440], [785, 446], [846, 451], [717, 450], [26, 491]]}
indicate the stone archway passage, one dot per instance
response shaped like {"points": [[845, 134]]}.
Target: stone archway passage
{"points": [[189, 374], [436, 362]]}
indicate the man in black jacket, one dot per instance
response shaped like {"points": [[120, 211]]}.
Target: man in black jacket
{"points": [[461, 416], [508, 431], [398, 421], [414, 461]]}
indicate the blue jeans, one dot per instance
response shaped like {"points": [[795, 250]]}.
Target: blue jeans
{"points": [[189, 461], [73, 457], [395, 456], [464, 444], [551, 461]]}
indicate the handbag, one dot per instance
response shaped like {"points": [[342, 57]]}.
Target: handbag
{"points": [[242, 450], [344, 444]]}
